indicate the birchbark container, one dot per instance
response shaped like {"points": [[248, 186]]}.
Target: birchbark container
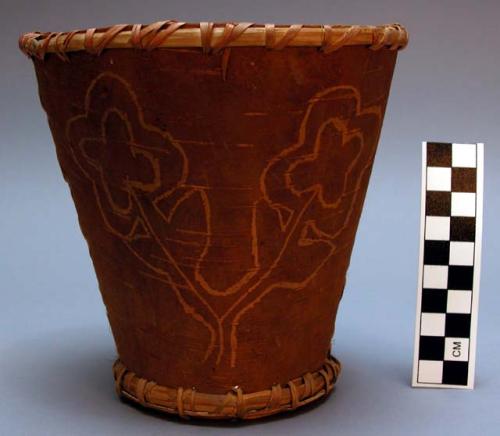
{"points": [[219, 172]]}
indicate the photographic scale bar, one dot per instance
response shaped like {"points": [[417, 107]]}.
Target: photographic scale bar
{"points": [[449, 265]]}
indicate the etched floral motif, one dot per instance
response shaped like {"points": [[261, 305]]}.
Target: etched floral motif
{"points": [[334, 153], [138, 175], [124, 156], [114, 153], [330, 161], [141, 179]]}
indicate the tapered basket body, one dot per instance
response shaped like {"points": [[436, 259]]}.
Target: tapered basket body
{"points": [[219, 188]]}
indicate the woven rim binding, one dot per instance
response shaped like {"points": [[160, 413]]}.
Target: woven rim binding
{"points": [[212, 37], [188, 402]]}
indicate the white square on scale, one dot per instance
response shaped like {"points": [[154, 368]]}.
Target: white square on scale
{"points": [[456, 349], [438, 179], [432, 324], [459, 301], [463, 204], [430, 371], [461, 253], [463, 155], [437, 228], [435, 276]]}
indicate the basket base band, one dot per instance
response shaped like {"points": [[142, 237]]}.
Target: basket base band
{"points": [[188, 402]]}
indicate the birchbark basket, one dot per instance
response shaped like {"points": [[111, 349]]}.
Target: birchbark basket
{"points": [[219, 173]]}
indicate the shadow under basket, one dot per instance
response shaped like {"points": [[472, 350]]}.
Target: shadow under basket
{"points": [[219, 172]]}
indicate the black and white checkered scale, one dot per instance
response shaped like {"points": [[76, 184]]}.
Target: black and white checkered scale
{"points": [[446, 317]]}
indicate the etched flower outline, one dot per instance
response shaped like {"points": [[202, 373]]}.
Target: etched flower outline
{"points": [[295, 206], [311, 174], [126, 156], [125, 164], [140, 205], [331, 161]]}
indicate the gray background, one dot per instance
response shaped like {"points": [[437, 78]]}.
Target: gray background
{"points": [[56, 350]]}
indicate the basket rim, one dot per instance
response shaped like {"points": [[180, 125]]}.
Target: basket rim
{"points": [[213, 37]]}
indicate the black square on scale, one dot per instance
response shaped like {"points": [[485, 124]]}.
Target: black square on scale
{"points": [[462, 229], [455, 373], [457, 325], [463, 179], [460, 277], [434, 300], [436, 252], [438, 154], [438, 203], [431, 348]]}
